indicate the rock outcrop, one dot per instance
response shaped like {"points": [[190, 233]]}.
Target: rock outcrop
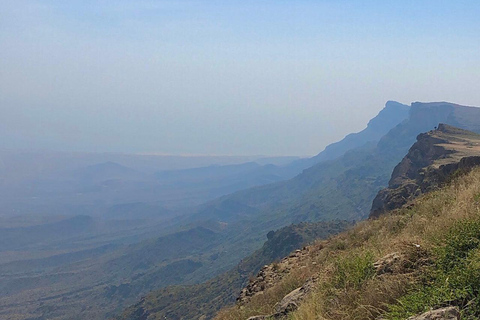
{"points": [[270, 274], [290, 302], [449, 313], [430, 162]]}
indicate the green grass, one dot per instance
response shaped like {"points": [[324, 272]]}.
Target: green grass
{"points": [[353, 270], [454, 279]]}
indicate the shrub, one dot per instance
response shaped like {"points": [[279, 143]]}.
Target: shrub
{"points": [[351, 271]]}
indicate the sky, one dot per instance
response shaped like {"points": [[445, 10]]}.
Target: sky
{"points": [[229, 77]]}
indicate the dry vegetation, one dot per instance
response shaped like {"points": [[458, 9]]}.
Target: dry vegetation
{"points": [[438, 239]]}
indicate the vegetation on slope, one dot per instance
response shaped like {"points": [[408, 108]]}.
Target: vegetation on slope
{"points": [[205, 299], [437, 242]]}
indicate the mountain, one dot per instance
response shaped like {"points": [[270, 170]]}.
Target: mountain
{"points": [[417, 262], [393, 114], [343, 188], [192, 247]]}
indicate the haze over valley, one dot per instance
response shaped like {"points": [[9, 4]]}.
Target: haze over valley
{"points": [[196, 160]]}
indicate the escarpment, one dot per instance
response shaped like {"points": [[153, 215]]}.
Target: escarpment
{"points": [[434, 159]]}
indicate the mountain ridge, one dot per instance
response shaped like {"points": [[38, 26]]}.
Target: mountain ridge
{"points": [[379, 269], [344, 188], [428, 164]]}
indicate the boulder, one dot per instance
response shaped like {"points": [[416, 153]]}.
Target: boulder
{"points": [[290, 302], [448, 313]]}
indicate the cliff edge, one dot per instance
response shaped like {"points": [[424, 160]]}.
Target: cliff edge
{"points": [[431, 161]]}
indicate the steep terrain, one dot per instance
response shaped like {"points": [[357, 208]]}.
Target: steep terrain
{"points": [[393, 114], [339, 189], [343, 188], [429, 163], [118, 190], [420, 260], [204, 300]]}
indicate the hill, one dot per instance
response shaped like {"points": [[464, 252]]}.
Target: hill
{"points": [[110, 267], [343, 188], [418, 261]]}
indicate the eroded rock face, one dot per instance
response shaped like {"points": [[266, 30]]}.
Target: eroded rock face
{"points": [[449, 313], [290, 301], [269, 275], [430, 162]]}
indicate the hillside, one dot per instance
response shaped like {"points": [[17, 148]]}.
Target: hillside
{"points": [[205, 299], [343, 188], [127, 195], [339, 189], [419, 261]]}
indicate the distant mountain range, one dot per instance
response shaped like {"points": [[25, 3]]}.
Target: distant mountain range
{"points": [[337, 184], [337, 189], [416, 258]]}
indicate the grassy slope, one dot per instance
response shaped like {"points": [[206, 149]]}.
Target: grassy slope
{"points": [[439, 239]]}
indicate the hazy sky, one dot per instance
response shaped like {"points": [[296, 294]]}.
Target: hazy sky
{"points": [[224, 77]]}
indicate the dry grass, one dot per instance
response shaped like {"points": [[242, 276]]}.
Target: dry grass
{"points": [[347, 291]]}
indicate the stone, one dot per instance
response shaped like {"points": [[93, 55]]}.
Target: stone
{"points": [[448, 313], [289, 303], [387, 263]]}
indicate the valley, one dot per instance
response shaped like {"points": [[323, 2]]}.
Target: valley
{"points": [[119, 253]]}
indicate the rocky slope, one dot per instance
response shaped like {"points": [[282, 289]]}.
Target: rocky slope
{"points": [[419, 263], [344, 188], [203, 300], [430, 162]]}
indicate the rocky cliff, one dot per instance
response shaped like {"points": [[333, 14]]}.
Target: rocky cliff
{"points": [[431, 161]]}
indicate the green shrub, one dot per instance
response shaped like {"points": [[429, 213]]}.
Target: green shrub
{"points": [[352, 271]]}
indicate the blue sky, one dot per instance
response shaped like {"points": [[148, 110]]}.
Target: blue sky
{"points": [[224, 77]]}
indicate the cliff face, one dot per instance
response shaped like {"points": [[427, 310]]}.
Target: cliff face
{"points": [[430, 162]]}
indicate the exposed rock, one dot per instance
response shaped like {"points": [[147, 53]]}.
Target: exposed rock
{"points": [[430, 162], [449, 313], [290, 302], [388, 263], [269, 275]]}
